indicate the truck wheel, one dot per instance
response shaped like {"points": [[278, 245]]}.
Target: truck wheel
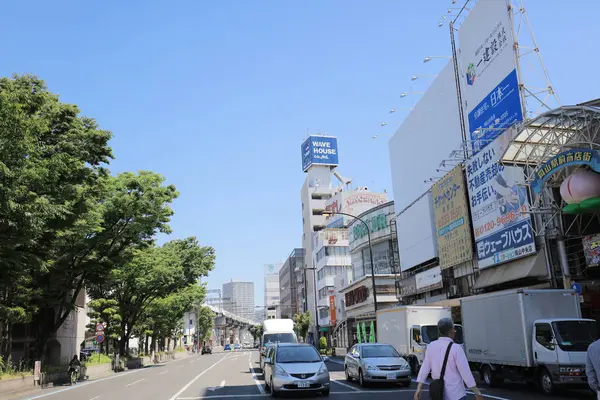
{"points": [[546, 384], [414, 366], [491, 378]]}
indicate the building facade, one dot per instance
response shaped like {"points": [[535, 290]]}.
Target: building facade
{"points": [[238, 298], [272, 295], [289, 282]]}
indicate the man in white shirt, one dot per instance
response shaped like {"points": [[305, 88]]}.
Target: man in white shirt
{"points": [[457, 367]]}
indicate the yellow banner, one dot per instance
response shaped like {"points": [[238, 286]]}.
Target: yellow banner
{"points": [[452, 222]]}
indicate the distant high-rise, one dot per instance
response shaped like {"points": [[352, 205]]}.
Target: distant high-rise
{"points": [[272, 297], [290, 284], [238, 298]]}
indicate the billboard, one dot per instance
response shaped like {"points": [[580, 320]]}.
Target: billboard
{"points": [[319, 150], [452, 222], [417, 241], [353, 203], [591, 249], [429, 280], [272, 269], [499, 208], [488, 62]]}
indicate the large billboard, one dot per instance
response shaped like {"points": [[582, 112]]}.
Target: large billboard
{"points": [[417, 241], [319, 150], [353, 203], [452, 222], [488, 62], [499, 208]]}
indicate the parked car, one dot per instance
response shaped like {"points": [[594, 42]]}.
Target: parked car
{"points": [[227, 347], [262, 359], [206, 350], [237, 346], [295, 367], [376, 362]]}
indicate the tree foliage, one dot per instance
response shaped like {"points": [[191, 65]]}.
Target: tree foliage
{"points": [[302, 324], [205, 324], [256, 331]]}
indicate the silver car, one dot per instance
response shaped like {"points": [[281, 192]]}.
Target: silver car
{"points": [[295, 367], [376, 362]]}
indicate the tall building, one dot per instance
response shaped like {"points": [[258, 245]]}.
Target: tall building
{"points": [[272, 297], [238, 298], [290, 278]]}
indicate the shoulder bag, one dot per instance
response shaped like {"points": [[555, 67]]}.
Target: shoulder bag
{"points": [[436, 387]]}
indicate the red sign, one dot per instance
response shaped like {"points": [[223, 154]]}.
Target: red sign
{"points": [[358, 295], [332, 315]]}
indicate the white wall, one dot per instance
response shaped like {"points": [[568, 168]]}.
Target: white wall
{"points": [[417, 241], [426, 137]]}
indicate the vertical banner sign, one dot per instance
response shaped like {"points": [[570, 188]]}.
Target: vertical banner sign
{"points": [[499, 208], [319, 150], [452, 221], [591, 250], [488, 63], [332, 316]]}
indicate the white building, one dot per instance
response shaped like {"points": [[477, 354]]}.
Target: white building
{"points": [[238, 298], [272, 295]]}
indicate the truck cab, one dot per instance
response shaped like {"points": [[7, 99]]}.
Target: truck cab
{"points": [[559, 349], [422, 335]]}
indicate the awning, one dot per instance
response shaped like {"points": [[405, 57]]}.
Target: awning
{"points": [[323, 329], [529, 267]]}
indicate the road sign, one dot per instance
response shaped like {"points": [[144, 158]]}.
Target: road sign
{"points": [[100, 338], [576, 287], [99, 327]]}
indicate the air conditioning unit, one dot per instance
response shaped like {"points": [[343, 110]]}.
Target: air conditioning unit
{"points": [[454, 291]]}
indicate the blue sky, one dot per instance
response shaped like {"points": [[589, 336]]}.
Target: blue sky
{"points": [[218, 95]]}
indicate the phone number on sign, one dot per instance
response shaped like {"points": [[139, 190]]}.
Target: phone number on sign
{"points": [[501, 221]]}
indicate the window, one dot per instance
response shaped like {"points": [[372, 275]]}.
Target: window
{"points": [[543, 335], [191, 322], [330, 270], [323, 293], [328, 251], [416, 335], [324, 312]]}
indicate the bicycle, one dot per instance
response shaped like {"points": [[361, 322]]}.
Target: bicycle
{"points": [[73, 375]]}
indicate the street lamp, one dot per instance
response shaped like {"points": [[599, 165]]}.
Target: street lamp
{"points": [[428, 58], [327, 214], [404, 94]]}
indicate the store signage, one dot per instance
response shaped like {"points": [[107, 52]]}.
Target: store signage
{"points": [[429, 280], [499, 208], [332, 316], [591, 250], [353, 203], [493, 101], [565, 159], [319, 150], [452, 220], [357, 296], [375, 224], [407, 287]]}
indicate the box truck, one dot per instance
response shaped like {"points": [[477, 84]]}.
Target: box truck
{"points": [[533, 335], [276, 331], [409, 329]]}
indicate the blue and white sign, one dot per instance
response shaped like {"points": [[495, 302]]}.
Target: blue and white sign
{"points": [[499, 208], [488, 71], [576, 287], [319, 150], [499, 110]]}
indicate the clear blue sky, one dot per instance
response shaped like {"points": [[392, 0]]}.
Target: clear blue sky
{"points": [[218, 95]]}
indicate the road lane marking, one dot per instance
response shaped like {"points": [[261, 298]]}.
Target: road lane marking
{"points": [[230, 396], [190, 383], [164, 372], [469, 392], [84, 384], [213, 388], [256, 382], [346, 385], [138, 381], [94, 398]]}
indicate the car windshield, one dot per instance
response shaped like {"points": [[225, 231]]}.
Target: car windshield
{"points": [[575, 335], [429, 333], [379, 351], [279, 338], [297, 354]]}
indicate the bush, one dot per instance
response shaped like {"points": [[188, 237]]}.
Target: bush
{"points": [[97, 358], [323, 343]]}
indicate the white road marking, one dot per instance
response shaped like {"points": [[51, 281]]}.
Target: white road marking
{"points": [[256, 382], [133, 383], [346, 385], [164, 372], [213, 388], [190, 383], [469, 392], [94, 398]]}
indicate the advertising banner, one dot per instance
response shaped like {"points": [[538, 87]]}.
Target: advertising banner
{"points": [[452, 222], [488, 63], [565, 159], [272, 269], [591, 249], [319, 150], [429, 280], [499, 208], [353, 203], [406, 287], [332, 316]]}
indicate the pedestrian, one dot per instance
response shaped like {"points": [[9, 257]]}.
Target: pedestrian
{"points": [[592, 366], [443, 357]]}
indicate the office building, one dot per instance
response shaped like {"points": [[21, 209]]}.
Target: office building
{"points": [[238, 298], [290, 277], [272, 297]]}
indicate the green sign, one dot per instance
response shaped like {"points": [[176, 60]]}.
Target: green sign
{"points": [[375, 223]]}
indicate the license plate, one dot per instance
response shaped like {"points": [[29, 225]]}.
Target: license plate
{"points": [[303, 384], [391, 376]]}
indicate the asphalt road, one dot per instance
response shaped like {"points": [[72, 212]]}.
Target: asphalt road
{"points": [[236, 375]]}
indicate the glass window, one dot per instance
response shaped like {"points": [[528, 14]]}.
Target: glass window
{"points": [[416, 335], [575, 335], [297, 354], [543, 335], [379, 351], [280, 338], [458, 338], [430, 333]]}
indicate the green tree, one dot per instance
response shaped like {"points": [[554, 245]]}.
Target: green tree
{"points": [[205, 324], [105, 311], [51, 162], [302, 324], [256, 331]]}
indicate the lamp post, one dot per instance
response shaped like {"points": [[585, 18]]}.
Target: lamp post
{"points": [[326, 214]]}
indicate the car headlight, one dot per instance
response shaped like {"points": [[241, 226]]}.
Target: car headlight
{"points": [[405, 367], [323, 370], [371, 367], [279, 371]]}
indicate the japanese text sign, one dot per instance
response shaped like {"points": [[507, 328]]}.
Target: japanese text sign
{"points": [[565, 159], [499, 206], [452, 221]]}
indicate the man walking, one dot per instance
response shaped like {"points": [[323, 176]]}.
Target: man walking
{"points": [[592, 366], [457, 367]]}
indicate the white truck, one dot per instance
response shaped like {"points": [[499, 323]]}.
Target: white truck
{"points": [[276, 331], [410, 329], [532, 335]]}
